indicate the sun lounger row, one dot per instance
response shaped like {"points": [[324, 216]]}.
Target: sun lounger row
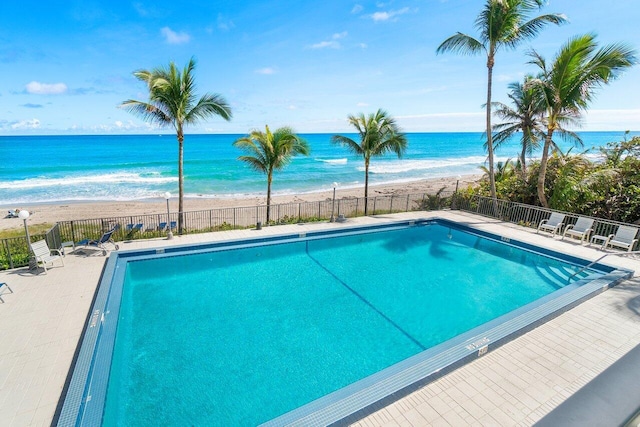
{"points": [[623, 238], [132, 228]]}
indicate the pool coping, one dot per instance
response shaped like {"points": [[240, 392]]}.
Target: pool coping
{"points": [[362, 397]]}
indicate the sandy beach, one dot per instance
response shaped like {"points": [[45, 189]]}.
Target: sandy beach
{"points": [[65, 211]]}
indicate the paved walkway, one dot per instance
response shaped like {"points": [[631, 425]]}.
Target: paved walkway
{"points": [[518, 383]]}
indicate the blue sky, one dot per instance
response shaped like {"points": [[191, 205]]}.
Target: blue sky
{"points": [[67, 65]]}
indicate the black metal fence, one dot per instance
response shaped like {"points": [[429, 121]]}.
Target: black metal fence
{"points": [[14, 252]]}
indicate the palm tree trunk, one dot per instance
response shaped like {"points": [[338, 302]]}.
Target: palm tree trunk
{"points": [[366, 186], [180, 181], [523, 165], [269, 177], [492, 177], [542, 174]]}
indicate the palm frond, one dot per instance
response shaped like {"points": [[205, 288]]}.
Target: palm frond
{"points": [[462, 44]]}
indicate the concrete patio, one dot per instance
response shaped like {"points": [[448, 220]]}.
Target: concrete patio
{"points": [[516, 384]]}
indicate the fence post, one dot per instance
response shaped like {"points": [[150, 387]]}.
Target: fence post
{"points": [[391, 205], [407, 209], [319, 217], [73, 233], [299, 212], [375, 200], [357, 202], [6, 242]]}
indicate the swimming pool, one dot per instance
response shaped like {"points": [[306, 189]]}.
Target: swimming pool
{"points": [[308, 328]]}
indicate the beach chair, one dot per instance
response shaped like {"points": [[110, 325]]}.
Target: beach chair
{"points": [[43, 254], [101, 242], [4, 285], [580, 230], [12, 214], [624, 238], [553, 224], [133, 228], [164, 226]]}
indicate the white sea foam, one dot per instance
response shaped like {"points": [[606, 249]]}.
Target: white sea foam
{"points": [[342, 161], [400, 166], [84, 180]]}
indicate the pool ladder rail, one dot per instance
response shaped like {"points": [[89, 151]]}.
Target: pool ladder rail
{"points": [[591, 264]]}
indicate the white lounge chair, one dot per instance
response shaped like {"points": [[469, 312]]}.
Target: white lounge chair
{"points": [[42, 253], [580, 230], [553, 224], [624, 238]]}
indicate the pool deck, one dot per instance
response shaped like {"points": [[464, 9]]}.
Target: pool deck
{"points": [[516, 384]]}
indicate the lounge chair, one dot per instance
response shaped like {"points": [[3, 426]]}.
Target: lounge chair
{"points": [[624, 238], [580, 230], [132, 228], [553, 224], [43, 254], [163, 225], [101, 242], [12, 214], [1, 292]]}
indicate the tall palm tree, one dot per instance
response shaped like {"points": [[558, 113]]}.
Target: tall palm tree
{"points": [[525, 116], [173, 102], [379, 134], [568, 84], [502, 24], [269, 151]]}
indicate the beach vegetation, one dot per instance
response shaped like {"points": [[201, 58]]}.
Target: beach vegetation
{"points": [[567, 85], [432, 202], [268, 151], [379, 134], [173, 103], [607, 186], [502, 24]]}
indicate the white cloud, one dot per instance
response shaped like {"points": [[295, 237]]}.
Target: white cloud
{"points": [[332, 43], [611, 120], [225, 24], [46, 88], [363, 45], [388, 16], [26, 124], [266, 71], [362, 104], [357, 8], [173, 37], [139, 7]]}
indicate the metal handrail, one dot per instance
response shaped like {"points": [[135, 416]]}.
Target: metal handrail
{"points": [[596, 261]]}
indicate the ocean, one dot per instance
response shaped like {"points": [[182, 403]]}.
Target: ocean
{"points": [[49, 169]]}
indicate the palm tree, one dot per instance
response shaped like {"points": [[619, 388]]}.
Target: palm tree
{"points": [[267, 152], [379, 134], [567, 86], [525, 117], [173, 102], [502, 24], [504, 170]]}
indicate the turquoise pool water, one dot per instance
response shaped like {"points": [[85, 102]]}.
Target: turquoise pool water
{"points": [[240, 336]]}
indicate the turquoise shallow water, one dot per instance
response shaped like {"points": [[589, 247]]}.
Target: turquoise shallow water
{"points": [[239, 337], [134, 167]]}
